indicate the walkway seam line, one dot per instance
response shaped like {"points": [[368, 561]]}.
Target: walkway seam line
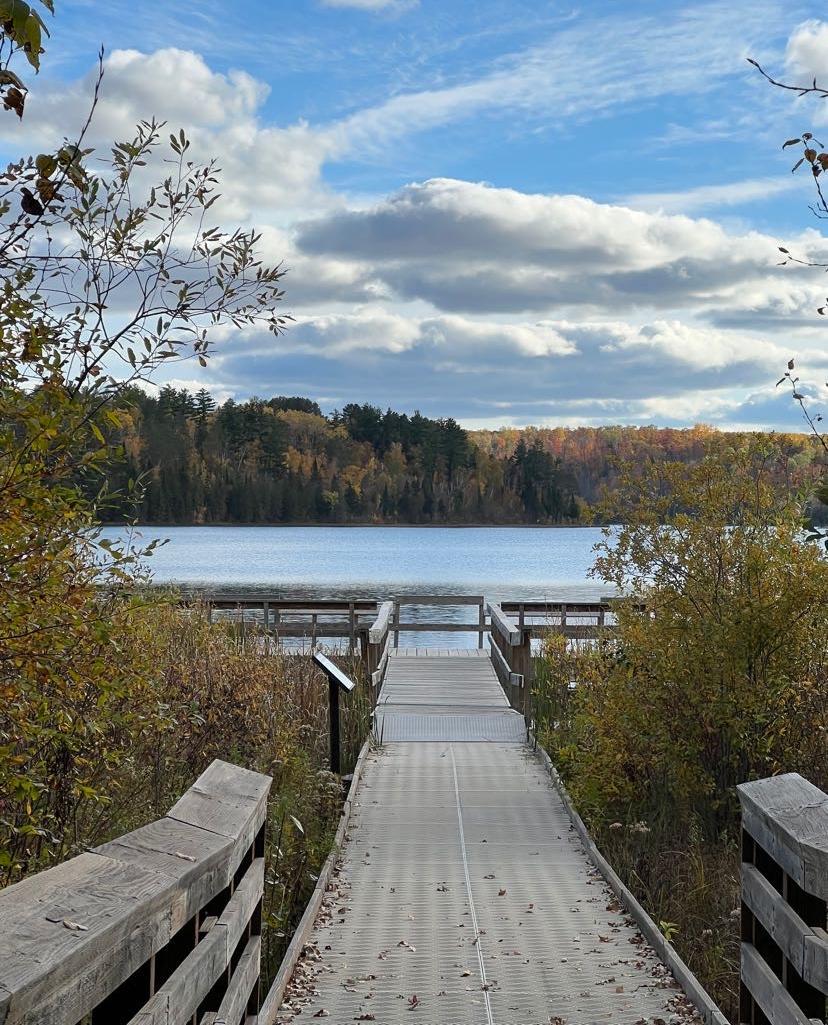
{"points": [[472, 908]]}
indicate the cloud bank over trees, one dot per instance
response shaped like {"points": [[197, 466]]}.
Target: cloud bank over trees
{"points": [[488, 302]]}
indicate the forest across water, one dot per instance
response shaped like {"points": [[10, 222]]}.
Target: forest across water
{"points": [[280, 460]]}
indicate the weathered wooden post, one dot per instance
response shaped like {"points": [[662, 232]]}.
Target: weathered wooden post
{"points": [[784, 899], [522, 660], [337, 681]]}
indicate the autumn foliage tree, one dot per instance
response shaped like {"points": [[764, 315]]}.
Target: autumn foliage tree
{"points": [[109, 270], [719, 673]]}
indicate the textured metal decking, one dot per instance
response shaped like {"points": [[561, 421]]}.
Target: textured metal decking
{"points": [[464, 897], [434, 694]]}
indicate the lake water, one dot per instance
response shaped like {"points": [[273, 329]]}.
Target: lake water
{"points": [[502, 563]]}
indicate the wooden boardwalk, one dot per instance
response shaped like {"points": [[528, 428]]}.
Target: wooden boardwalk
{"points": [[464, 897]]}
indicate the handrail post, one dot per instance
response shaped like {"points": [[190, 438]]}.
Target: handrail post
{"points": [[481, 621]]}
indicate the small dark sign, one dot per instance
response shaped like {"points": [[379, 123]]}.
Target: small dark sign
{"points": [[333, 672]]}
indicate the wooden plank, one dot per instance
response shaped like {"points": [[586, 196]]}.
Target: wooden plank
{"points": [[178, 999], [440, 599], [545, 608], [444, 627], [55, 974], [788, 816], [253, 601], [783, 924], [129, 897], [226, 800], [241, 985], [505, 626], [379, 673], [500, 664], [201, 862], [777, 1004], [379, 628], [815, 969]]}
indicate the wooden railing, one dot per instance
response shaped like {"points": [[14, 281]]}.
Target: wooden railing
{"points": [[375, 645], [410, 626], [162, 925], [321, 619], [784, 895], [574, 620], [511, 646], [309, 618]]}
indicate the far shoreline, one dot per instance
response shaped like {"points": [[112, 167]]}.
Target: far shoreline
{"points": [[364, 526]]}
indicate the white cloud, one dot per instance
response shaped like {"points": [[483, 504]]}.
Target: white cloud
{"points": [[468, 247], [568, 77], [269, 173], [807, 52], [708, 197]]}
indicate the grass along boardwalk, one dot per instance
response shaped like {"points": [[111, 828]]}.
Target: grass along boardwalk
{"points": [[464, 896]]}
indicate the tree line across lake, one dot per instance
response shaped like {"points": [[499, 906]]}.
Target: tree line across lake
{"points": [[281, 460]]}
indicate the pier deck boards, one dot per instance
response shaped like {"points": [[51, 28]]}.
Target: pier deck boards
{"points": [[464, 896]]}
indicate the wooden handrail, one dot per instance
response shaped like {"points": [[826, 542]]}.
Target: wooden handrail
{"points": [[378, 630], [784, 901], [121, 932], [504, 625]]}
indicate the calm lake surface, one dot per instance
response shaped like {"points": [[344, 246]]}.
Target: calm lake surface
{"points": [[501, 563]]}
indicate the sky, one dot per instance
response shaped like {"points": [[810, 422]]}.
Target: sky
{"points": [[505, 211]]}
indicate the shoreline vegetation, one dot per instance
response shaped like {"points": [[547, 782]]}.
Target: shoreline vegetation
{"points": [[717, 674], [187, 461], [126, 525]]}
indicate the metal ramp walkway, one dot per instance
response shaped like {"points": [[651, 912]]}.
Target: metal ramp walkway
{"points": [[464, 896], [433, 694]]}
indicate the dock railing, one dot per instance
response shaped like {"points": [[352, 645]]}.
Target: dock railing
{"points": [[316, 620], [511, 645], [162, 925], [784, 893], [312, 619], [375, 646], [410, 626]]}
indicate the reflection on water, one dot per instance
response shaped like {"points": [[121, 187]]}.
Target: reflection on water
{"points": [[502, 563]]}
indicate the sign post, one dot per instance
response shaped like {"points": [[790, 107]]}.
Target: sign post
{"points": [[337, 681]]}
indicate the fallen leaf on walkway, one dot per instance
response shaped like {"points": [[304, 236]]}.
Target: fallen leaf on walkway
{"points": [[414, 1001]]}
